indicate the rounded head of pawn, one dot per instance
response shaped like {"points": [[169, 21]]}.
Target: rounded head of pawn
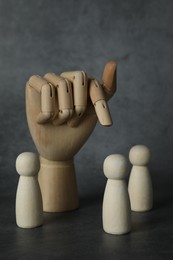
{"points": [[115, 167], [139, 155], [27, 164]]}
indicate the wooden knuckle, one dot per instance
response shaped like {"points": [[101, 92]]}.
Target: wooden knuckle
{"points": [[96, 91]]}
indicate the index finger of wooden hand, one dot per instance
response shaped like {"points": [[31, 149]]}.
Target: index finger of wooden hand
{"points": [[46, 93]]}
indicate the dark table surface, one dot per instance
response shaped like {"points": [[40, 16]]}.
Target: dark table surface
{"points": [[80, 234]]}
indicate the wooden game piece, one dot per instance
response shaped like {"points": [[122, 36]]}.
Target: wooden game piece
{"points": [[57, 145], [116, 212], [29, 209], [140, 183]]}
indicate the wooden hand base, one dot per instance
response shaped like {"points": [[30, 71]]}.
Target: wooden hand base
{"points": [[58, 185]]}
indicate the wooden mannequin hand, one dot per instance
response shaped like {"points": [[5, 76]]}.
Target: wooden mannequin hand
{"points": [[61, 116], [60, 110]]}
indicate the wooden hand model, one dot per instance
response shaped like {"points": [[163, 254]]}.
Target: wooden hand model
{"points": [[62, 112]]}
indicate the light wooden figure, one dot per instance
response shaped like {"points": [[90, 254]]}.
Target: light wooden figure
{"points": [[116, 211], [62, 112], [140, 183], [29, 208]]}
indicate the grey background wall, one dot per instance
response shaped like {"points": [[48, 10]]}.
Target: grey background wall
{"points": [[42, 36]]}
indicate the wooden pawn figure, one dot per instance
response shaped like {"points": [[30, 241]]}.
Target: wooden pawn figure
{"points": [[140, 183], [29, 207], [116, 212]]}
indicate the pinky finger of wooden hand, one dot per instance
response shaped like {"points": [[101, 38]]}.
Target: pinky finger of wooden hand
{"points": [[101, 93], [109, 78]]}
